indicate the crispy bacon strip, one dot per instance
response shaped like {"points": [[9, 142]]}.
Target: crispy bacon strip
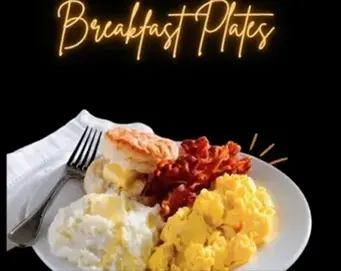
{"points": [[175, 184], [179, 197]]}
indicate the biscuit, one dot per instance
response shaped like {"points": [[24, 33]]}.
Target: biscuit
{"points": [[93, 180], [136, 150]]}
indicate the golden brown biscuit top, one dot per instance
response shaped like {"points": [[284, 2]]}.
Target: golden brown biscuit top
{"points": [[143, 143]]}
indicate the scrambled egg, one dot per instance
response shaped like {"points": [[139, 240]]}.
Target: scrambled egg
{"points": [[221, 231], [105, 232]]}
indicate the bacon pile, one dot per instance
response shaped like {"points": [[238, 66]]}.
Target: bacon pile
{"points": [[175, 184]]}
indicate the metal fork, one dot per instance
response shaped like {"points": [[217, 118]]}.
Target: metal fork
{"points": [[27, 231]]}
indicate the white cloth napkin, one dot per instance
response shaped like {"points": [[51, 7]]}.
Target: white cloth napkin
{"points": [[28, 166]]}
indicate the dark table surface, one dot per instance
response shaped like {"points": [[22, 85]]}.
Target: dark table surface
{"points": [[286, 145]]}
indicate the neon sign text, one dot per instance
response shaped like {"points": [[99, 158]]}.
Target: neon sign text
{"points": [[73, 16]]}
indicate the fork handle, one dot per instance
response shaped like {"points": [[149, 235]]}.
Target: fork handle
{"points": [[26, 232]]}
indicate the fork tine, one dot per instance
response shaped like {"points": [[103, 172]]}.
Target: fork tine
{"points": [[94, 151], [80, 155], [77, 147], [85, 158]]}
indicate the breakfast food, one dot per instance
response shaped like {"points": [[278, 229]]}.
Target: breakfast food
{"points": [[103, 176], [153, 206], [136, 150], [175, 183], [221, 231], [128, 155], [105, 232]]}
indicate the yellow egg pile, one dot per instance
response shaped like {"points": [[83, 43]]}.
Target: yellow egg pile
{"points": [[221, 231]]}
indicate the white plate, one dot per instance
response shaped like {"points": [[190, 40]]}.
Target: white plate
{"points": [[291, 234]]}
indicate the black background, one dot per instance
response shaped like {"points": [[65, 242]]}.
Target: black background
{"points": [[217, 95]]}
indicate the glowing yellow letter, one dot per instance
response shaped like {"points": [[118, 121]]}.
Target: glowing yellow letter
{"points": [[69, 22], [176, 32], [264, 36], [207, 15], [131, 29]]}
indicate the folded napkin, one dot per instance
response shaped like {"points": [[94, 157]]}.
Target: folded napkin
{"points": [[30, 165]]}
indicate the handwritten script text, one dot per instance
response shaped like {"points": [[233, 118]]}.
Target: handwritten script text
{"points": [[231, 24]]}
